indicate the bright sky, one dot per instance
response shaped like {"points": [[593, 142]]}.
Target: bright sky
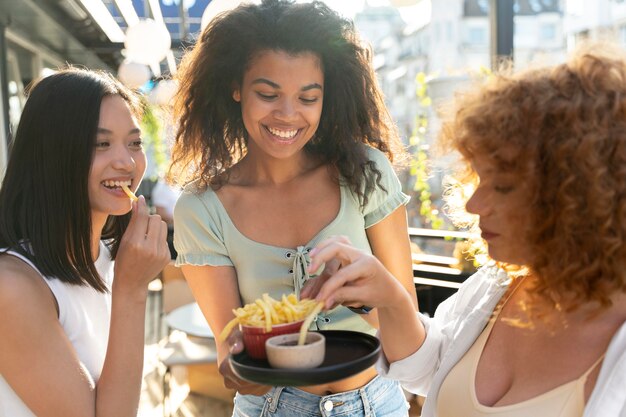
{"points": [[410, 14], [416, 15]]}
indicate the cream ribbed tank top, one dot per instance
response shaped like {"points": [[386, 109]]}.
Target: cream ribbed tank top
{"points": [[457, 395]]}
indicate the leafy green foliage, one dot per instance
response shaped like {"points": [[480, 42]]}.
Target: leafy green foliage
{"points": [[419, 165], [152, 129]]}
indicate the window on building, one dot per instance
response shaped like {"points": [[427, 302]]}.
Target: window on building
{"points": [[547, 31], [575, 7], [535, 5], [477, 36]]}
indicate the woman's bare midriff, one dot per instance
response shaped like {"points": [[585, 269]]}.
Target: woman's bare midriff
{"points": [[348, 384]]}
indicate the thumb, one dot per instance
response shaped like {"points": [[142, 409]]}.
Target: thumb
{"points": [[139, 207], [307, 289], [136, 206], [235, 344]]}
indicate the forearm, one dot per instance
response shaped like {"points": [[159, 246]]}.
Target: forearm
{"points": [[390, 244], [401, 332], [119, 386]]}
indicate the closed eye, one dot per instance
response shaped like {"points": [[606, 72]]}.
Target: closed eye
{"points": [[267, 97], [309, 100], [503, 189]]}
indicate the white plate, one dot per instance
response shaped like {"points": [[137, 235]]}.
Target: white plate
{"points": [[189, 319]]}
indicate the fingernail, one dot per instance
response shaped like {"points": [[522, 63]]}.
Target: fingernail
{"points": [[329, 303], [312, 252], [235, 346]]}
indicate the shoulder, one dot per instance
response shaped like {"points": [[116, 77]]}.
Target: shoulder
{"points": [[22, 289], [380, 160], [485, 286], [193, 187], [376, 155], [193, 198], [198, 211]]}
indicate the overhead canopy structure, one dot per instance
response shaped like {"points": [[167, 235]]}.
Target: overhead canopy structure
{"points": [[63, 29]]}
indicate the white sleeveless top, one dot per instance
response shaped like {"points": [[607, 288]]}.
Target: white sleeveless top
{"points": [[85, 315]]}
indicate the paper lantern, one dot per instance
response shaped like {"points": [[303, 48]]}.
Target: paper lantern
{"points": [[133, 74], [147, 42]]}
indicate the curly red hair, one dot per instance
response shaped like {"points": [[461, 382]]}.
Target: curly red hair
{"points": [[562, 130]]}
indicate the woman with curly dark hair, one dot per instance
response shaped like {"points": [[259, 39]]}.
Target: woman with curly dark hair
{"points": [[541, 331], [284, 140]]}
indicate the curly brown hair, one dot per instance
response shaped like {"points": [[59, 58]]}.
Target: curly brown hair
{"points": [[211, 136], [562, 131]]}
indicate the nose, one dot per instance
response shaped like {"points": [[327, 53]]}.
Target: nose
{"points": [[478, 203], [285, 110], [123, 160]]}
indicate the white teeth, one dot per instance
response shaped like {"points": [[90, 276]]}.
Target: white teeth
{"points": [[287, 134], [112, 184]]}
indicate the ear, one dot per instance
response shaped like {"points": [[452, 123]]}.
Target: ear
{"points": [[237, 94]]}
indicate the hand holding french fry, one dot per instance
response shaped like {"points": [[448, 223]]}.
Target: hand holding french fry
{"points": [[360, 279], [143, 250]]}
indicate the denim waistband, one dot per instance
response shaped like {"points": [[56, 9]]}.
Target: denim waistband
{"points": [[354, 402]]}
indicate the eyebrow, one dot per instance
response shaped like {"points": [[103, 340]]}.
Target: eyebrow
{"points": [[104, 131], [274, 85]]}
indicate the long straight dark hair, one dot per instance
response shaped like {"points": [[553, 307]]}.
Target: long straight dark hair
{"points": [[44, 201]]}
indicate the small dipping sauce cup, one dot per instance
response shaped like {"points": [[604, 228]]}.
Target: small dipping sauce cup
{"points": [[284, 352]]}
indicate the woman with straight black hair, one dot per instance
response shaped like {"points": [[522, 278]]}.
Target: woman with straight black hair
{"points": [[74, 262]]}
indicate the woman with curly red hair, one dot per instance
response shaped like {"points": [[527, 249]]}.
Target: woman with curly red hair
{"points": [[540, 331]]}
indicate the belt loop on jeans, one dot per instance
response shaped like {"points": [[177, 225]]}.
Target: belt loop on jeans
{"points": [[272, 400], [367, 409]]}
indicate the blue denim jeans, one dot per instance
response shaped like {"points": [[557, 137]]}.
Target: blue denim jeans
{"points": [[381, 397]]}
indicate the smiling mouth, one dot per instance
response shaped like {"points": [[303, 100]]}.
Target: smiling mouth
{"points": [[283, 134], [112, 185]]}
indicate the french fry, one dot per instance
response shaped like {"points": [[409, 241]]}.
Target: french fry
{"points": [[228, 328], [307, 322], [129, 193]]}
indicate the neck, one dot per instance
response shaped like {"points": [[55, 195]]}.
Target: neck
{"points": [[265, 171], [584, 312], [97, 224]]}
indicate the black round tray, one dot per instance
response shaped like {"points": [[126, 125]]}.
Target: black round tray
{"points": [[347, 354]]}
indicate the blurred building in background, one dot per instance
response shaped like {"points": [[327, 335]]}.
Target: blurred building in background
{"points": [[454, 41]]}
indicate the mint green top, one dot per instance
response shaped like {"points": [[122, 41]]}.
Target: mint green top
{"points": [[205, 235]]}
